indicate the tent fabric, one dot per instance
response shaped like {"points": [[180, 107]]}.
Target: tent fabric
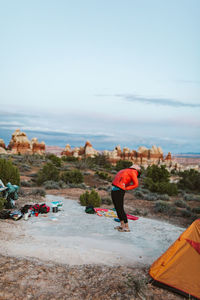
{"points": [[179, 266]]}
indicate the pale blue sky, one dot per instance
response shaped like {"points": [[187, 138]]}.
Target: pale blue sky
{"points": [[118, 72]]}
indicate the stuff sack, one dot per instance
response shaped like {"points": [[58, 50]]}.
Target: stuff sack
{"points": [[25, 208], [36, 208], [44, 209], [90, 209]]}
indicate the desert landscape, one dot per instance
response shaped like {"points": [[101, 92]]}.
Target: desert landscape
{"points": [[72, 270]]}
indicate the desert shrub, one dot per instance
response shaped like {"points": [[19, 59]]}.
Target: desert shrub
{"points": [[181, 203], [22, 192], [150, 197], [164, 207], [34, 159], [101, 160], [9, 172], [50, 184], [106, 200], [48, 172], [25, 183], [196, 210], [91, 198], [139, 194], [38, 192], [123, 164], [191, 197], [190, 180], [104, 176], [197, 198], [164, 197], [69, 158], [77, 185], [186, 213], [2, 202], [74, 176], [24, 168], [54, 159]]}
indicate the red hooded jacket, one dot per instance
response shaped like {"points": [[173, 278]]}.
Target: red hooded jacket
{"points": [[126, 179]]}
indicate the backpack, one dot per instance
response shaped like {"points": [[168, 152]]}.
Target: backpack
{"points": [[90, 209], [44, 209]]}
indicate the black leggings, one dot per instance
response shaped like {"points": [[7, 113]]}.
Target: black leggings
{"points": [[118, 201]]}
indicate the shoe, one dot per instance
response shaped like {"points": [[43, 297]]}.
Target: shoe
{"points": [[118, 227], [123, 229]]}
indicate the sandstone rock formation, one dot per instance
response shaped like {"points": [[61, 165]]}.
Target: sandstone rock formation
{"points": [[37, 147], [19, 144], [86, 151], [2, 147], [143, 156]]}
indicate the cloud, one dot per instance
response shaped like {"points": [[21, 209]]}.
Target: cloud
{"points": [[156, 101]]}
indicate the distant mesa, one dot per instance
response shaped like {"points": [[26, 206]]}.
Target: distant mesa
{"points": [[143, 156], [20, 144]]}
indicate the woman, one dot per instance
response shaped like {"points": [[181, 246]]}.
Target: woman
{"points": [[125, 180]]}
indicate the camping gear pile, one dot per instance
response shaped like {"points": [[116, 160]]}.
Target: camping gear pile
{"points": [[10, 193]]}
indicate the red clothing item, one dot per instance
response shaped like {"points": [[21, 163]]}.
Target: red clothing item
{"points": [[126, 179]]}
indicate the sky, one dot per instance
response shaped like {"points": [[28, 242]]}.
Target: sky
{"points": [[109, 71]]}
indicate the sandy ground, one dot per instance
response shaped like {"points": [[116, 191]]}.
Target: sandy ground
{"points": [[38, 263]]}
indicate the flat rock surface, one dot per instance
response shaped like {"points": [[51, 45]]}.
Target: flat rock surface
{"points": [[73, 237]]}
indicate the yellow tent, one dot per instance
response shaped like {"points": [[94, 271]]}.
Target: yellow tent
{"points": [[179, 267]]}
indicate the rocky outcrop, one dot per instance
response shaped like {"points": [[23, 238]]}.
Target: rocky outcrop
{"points": [[2, 147], [36, 147], [143, 156], [86, 151], [2, 144], [19, 144], [89, 151]]}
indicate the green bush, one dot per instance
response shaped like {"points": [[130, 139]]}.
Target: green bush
{"points": [[9, 172], [69, 158], [74, 176], [91, 198], [104, 176], [190, 180], [123, 164], [54, 159], [48, 172], [2, 202], [161, 187], [101, 160]]}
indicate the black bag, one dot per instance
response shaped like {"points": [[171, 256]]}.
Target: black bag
{"points": [[5, 214], [90, 209]]}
